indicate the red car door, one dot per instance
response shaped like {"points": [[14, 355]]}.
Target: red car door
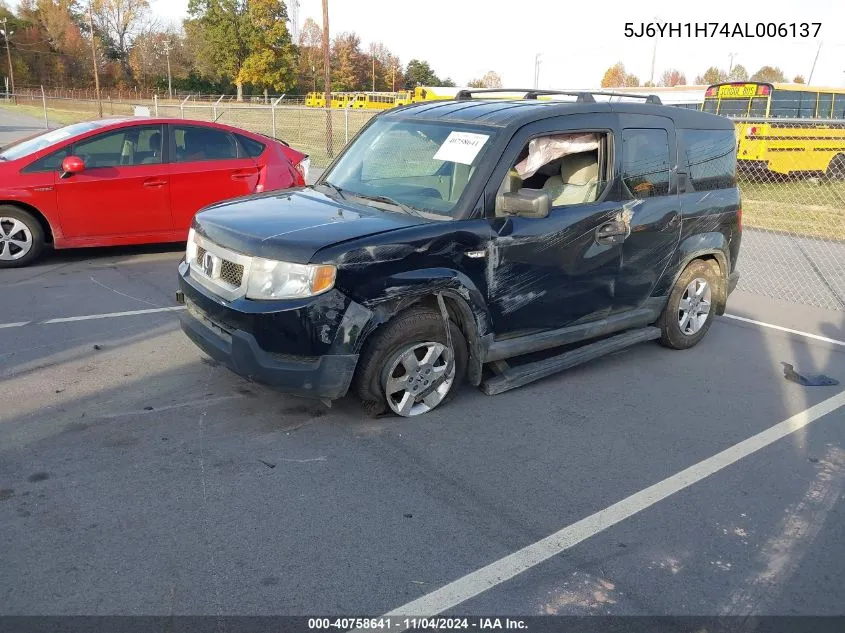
{"points": [[207, 166], [121, 196]]}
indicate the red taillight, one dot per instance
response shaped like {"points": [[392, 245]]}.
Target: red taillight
{"points": [[762, 90], [710, 92], [302, 168]]}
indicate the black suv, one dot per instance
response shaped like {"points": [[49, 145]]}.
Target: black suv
{"points": [[450, 236]]}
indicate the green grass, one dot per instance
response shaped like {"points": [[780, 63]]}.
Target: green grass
{"points": [[801, 206]]}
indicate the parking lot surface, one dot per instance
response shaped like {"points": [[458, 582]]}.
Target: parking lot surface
{"points": [[137, 477]]}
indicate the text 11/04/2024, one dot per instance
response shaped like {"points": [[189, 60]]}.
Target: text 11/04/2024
{"points": [[723, 29]]}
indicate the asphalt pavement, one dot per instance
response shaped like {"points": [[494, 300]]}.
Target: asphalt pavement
{"points": [[138, 477]]}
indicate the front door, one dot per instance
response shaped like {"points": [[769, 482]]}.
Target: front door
{"points": [[547, 273], [122, 194], [208, 166]]}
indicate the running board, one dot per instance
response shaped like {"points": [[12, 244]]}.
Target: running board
{"points": [[512, 377]]}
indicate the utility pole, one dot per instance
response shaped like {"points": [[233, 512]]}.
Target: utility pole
{"points": [[731, 67], [327, 77], [374, 70], [537, 70], [653, 54], [169, 81], [6, 34], [94, 58], [812, 70]]}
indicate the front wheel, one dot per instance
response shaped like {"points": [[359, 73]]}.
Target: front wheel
{"points": [[413, 364], [21, 237], [689, 312], [836, 169]]}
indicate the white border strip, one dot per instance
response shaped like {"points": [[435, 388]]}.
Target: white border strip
{"points": [[89, 317], [506, 568], [18, 324], [786, 329]]}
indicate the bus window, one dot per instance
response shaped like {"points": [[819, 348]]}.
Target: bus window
{"points": [[807, 106], [734, 107], [839, 106], [758, 106], [825, 104], [710, 105], [784, 104]]}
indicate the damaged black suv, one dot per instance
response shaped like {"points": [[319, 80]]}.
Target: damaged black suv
{"points": [[544, 228]]}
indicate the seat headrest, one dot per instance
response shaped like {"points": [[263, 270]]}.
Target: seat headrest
{"points": [[580, 168]]}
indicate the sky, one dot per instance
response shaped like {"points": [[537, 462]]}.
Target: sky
{"points": [[578, 41]]}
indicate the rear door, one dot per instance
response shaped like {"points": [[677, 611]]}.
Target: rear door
{"points": [[648, 167], [208, 165], [123, 191]]}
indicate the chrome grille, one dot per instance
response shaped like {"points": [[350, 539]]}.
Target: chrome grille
{"points": [[221, 270], [231, 273]]}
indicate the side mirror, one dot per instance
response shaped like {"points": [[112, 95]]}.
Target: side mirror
{"points": [[72, 165], [526, 203]]}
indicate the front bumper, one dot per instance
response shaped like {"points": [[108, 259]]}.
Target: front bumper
{"points": [[326, 376]]}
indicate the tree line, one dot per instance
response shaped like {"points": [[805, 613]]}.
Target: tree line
{"points": [[616, 77], [223, 46]]}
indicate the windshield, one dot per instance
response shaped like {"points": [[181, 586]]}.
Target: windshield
{"points": [[412, 166], [35, 143]]}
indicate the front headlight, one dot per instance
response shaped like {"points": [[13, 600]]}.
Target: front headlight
{"points": [[191, 249], [269, 279]]}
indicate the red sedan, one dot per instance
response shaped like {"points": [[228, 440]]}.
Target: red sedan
{"points": [[129, 181]]}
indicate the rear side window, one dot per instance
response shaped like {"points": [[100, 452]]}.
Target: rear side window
{"points": [[645, 162], [252, 148], [203, 143], [710, 156]]}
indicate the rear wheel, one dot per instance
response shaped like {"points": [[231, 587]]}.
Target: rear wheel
{"points": [[836, 169], [689, 312], [21, 237], [413, 364]]}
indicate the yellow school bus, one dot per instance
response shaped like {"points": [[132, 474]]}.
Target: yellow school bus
{"points": [[360, 100], [792, 127]]}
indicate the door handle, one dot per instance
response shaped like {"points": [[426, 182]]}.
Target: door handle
{"points": [[241, 175], [611, 232], [155, 183]]}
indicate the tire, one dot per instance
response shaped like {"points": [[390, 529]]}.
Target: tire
{"points": [[390, 355], [696, 322], [836, 169], [21, 237]]}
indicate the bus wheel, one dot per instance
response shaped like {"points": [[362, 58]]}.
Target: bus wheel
{"points": [[836, 169]]}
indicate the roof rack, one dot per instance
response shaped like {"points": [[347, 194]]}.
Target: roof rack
{"points": [[582, 96]]}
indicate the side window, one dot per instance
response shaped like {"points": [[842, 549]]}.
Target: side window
{"points": [[825, 104], [122, 148], [710, 156], [50, 162], [645, 162], [839, 106], [202, 143], [571, 167], [252, 148], [784, 104], [807, 107], [112, 149]]}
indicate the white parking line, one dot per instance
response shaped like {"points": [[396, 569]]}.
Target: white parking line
{"points": [[506, 568], [18, 324], [89, 317], [786, 329]]}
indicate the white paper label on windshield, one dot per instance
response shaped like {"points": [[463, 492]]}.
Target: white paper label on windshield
{"points": [[461, 147]]}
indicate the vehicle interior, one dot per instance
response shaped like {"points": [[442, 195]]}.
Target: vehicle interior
{"points": [[571, 168]]}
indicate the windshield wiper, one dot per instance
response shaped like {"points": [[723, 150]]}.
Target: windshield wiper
{"points": [[334, 188], [389, 200]]}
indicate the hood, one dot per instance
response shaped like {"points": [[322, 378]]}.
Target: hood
{"points": [[293, 225]]}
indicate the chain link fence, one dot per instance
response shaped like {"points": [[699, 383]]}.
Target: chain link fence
{"points": [[791, 174], [792, 179]]}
